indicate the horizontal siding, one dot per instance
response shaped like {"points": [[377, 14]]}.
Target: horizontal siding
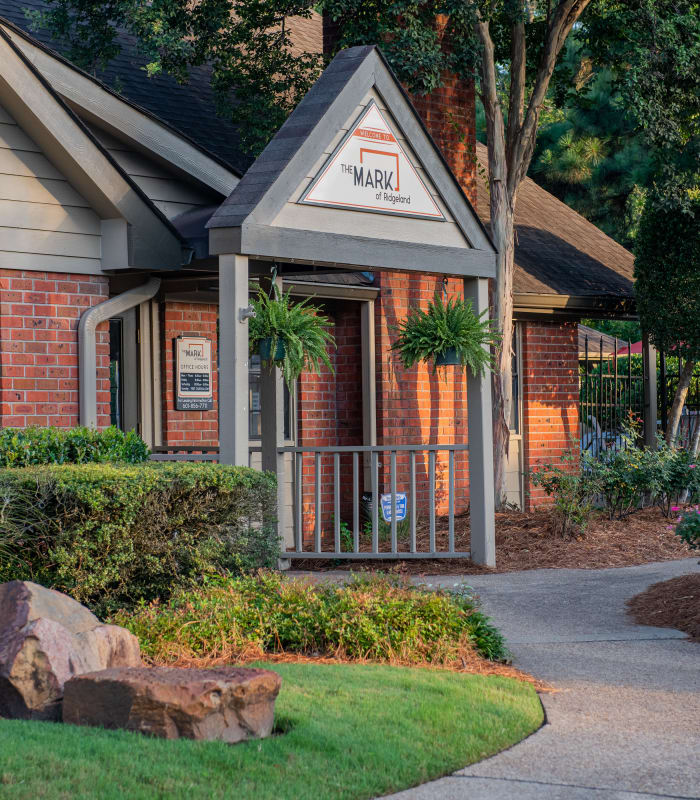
{"points": [[48, 263], [45, 224], [24, 240], [171, 193], [47, 217], [40, 190]]}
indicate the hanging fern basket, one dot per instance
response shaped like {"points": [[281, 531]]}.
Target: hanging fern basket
{"points": [[265, 350], [448, 358]]}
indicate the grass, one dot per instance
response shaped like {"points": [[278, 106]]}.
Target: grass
{"points": [[350, 731]]}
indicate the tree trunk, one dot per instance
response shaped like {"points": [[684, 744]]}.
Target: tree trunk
{"points": [[695, 444], [502, 231], [674, 418]]}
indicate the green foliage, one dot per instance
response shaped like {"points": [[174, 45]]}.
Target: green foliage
{"points": [[113, 535], [625, 330], [653, 47], [374, 617], [20, 447], [257, 77], [688, 527], [667, 272], [635, 476], [300, 326], [573, 489], [590, 152], [425, 335]]}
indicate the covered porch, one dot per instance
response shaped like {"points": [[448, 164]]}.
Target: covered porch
{"points": [[352, 184]]}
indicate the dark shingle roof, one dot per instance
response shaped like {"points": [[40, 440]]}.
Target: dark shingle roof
{"points": [[557, 251], [188, 108], [287, 141]]}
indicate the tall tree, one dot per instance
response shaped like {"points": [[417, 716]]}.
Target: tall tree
{"points": [[654, 45], [667, 272], [590, 151], [511, 48]]}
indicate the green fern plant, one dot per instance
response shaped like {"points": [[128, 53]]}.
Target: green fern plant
{"points": [[301, 327], [446, 326]]}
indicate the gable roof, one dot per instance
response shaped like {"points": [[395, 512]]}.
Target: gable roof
{"points": [[188, 108], [244, 223], [557, 251], [134, 231]]}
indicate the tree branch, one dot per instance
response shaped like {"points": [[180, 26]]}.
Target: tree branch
{"points": [[565, 15], [517, 86], [492, 106]]}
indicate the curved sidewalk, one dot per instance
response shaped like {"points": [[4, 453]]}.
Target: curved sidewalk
{"points": [[625, 724]]}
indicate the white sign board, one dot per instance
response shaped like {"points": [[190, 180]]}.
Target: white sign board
{"points": [[370, 171], [193, 387]]}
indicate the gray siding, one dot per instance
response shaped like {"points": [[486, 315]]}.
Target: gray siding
{"points": [[45, 224], [172, 194]]}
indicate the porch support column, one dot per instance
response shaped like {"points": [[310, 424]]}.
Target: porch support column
{"points": [[480, 425], [650, 405], [369, 386], [233, 360], [272, 425]]}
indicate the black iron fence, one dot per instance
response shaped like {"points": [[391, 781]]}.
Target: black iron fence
{"points": [[611, 388]]}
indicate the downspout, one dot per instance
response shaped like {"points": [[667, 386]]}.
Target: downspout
{"points": [[87, 343]]}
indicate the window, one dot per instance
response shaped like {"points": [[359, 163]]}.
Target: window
{"points": [[116, 371], [516, 369], [254, 417]]}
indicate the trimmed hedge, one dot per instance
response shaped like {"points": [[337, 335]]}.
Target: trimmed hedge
{"points": [[113, 535], [22, 447]]}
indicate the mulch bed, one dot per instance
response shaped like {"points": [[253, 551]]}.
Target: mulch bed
{"points": [[670, 604], [529, 541]]}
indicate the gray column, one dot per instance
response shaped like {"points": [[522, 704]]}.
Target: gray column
{"points": [[272, 424], [479, 416], [650, 404], [369, 386], [233, 360]]}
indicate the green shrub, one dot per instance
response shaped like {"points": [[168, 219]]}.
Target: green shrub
{"points": [[637, 476], [22, 447], [114, 535], [573, 489], [688, 527], [375, 618]]}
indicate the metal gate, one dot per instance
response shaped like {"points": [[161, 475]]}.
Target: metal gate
{"points": [[611, 389]]}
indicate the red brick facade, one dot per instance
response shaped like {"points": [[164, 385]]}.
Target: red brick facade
{"points": [[418, 406], [187, 428], [550, 396], [39, 313]]}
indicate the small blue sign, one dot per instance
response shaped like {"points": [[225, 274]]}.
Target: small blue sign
{"points": [[401, 506]]}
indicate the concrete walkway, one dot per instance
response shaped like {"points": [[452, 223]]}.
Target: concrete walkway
{"points": [[626, 725]]}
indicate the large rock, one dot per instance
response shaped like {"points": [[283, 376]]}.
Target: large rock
{"points": [[227, 704], [46, 638]]}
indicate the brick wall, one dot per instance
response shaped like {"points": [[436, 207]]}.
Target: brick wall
{"points": [[550, 397], [417, 406], [187, 427], [329, 414], [449, 114], [39, 315]]}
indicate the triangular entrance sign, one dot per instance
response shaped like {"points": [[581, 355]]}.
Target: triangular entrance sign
{"points": [[370, 171]]}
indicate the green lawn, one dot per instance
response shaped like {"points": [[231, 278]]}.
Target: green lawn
{"points": [[350, 731]]}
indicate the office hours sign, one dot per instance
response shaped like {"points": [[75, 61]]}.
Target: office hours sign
{"points": [[193, 381], [370, 171]]}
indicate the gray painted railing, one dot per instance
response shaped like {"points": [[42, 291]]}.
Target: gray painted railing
{"points": [[372, 454]]}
